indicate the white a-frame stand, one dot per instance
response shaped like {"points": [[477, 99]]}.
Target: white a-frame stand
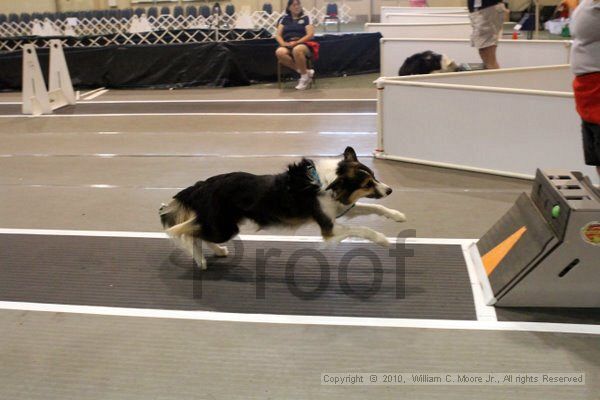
{"points": [[37, 99]]}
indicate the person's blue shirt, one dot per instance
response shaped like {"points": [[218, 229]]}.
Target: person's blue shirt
{"points": [[294, 29]]}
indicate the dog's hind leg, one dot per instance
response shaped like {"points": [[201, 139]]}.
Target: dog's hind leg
{"points": [[184, 242], [220, 251], [198, 254]]}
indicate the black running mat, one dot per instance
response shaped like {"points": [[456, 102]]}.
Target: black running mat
{"points": [[360, 280]]}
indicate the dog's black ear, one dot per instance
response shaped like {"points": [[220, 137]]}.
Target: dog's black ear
{"points": [[350, 154]]}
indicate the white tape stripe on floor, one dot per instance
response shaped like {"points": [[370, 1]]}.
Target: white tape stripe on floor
{"points": [[90, 92], [482, 310], [204, 100], [109, 186], [307, 319], [97, 94], [265, 238], [197, 132], [341, 114], [230, 101], [214, 155]]}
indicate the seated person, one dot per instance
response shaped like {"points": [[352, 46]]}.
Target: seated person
{"points": [[294, 29]]}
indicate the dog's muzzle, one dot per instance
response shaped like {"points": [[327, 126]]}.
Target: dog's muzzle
{"points": [[381, 191]]}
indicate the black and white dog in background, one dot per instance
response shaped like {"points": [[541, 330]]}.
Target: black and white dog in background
{"points": [[211, 211], [427, 62]]}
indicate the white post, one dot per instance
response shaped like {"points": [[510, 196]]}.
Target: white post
{"points": [[380, 88], [34, 95], [60, 87]]}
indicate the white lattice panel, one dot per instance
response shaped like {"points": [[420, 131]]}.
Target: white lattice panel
{"points": [[164, 29]]}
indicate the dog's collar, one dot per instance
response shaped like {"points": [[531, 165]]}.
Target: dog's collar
{"points": [[346, 210]]}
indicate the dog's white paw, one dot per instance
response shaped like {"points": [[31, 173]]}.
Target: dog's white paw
{"points": [[202, 264], [221, 251], [333, 240], [397, 216], [381, 240]]}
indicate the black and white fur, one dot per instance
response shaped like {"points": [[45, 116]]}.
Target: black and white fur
{"points": [[427, 62], [211, 211]]}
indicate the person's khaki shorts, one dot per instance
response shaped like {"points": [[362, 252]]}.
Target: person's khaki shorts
{"points": [[487, 26]]}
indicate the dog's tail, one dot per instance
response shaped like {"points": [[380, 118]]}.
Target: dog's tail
{"points": [[178, 219]]}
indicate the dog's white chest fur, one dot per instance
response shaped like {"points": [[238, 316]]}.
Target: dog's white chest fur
{"points": [[327, 173]]}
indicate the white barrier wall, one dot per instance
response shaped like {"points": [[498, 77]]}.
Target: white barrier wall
{"points": [[450, 30], [413, 18], [550, 78], [422, 10], [511, 53], [502, 130]]}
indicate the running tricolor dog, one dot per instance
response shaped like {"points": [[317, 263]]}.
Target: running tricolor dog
{"points": [[211, 211]]}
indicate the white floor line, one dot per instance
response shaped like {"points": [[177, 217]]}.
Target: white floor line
{"points": [[108, 186], [90, 92], [200, 101], [484, 312], [341, 114], [264, 238], [307, 319], [94, 95], [200, 132], [187, 155], [482, 278], [229, 101]]}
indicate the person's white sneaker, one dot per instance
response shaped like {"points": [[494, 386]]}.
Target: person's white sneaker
{"points": [[304, 82], [310, 72]]}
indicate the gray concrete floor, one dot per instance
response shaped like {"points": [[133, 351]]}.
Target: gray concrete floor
{"points": [[152, 157], [65, 356], [47, 175]]}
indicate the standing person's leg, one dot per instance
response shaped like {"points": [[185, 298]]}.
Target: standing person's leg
{"points": [[284, 55], [487, 29], [488, 56], [591, 144]]}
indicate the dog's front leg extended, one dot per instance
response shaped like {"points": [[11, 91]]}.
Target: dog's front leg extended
{"points": [[325, 223], [341, 232], [377, 209]]}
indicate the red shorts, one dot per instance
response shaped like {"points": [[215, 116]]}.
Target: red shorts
{"points": [[587, 96]]}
